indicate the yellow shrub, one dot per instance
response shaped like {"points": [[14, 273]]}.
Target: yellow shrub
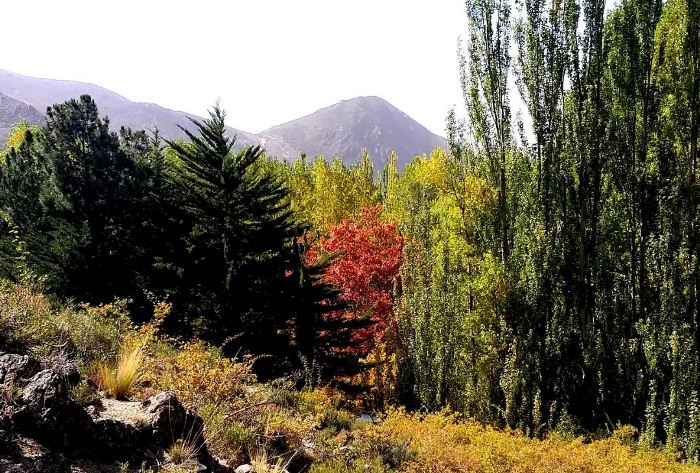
{"points": [[200, 375], [283, 428], [380, 380], [443, 442]]}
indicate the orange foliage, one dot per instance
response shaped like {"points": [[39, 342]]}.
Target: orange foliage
{"points": [[365, 270], [199, 374]]}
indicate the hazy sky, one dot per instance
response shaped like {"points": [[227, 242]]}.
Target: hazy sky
{"points": [[269, 61]]}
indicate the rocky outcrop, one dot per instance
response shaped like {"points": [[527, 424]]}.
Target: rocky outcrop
{"points": [[16, 368], [37, 407]]}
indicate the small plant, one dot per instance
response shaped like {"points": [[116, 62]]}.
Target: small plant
{"points": [[361, 465], [118, 381], [84, 394], [393, 453], [225, 437], [9, 392], [182, 452], [261, 463], [337, 420]]}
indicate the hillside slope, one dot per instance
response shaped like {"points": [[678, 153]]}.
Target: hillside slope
{"points": [[42, 93], [12, 111], [345, 128], [342, 129]]}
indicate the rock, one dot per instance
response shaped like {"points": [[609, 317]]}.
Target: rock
{"points": [[45, 389], [17, 368], [69, 371], [43, 410], [117, 440], [170, 421], [49, 414], [244, 469], [32, 457]]}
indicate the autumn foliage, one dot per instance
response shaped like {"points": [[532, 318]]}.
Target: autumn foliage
{"points": [[368, 257]]}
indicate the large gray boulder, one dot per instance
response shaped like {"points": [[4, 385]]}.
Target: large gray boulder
{"points": [[47, 412]]}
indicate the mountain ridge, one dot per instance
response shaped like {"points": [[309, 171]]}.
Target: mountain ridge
{"points": [[341, 129]]}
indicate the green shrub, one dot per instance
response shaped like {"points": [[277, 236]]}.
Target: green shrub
{"points": [[84, 394], [393, 453], [225, 437], [337, 420], [32, 322]]}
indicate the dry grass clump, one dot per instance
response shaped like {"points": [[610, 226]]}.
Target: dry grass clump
{"points": [[182, 451], [117, 381], [262, 463]]}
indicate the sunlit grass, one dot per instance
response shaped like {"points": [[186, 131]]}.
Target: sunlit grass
{"points": [[261, 463], [117, 381]]}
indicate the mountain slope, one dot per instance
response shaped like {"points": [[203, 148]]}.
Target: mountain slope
{"points": [[342, 129], [12, 111], [42, 93], [345, 128]]}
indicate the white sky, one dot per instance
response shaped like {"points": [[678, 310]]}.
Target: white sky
{"points": [[269, 61]]}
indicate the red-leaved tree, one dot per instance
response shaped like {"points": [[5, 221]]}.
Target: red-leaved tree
{"points": [[368, 260]]}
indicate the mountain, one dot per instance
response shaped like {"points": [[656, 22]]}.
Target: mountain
{"points": [[342, 129], [42, 93], [12, 111], [345, 128]]}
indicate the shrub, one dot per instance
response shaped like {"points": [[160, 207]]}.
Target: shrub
{"points": [[28, 320], [261, 463], [337, 420], [225, 437], [361, 465], [96, 332], [84, 394], [393, 453], [182, 451], [26, 317], [199, 374], [445, 442]]}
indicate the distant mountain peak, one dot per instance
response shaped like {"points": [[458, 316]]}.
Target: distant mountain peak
{"points": [[345, 128]]}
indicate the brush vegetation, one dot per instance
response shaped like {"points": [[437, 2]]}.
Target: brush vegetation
{"points": [[275, 426]]}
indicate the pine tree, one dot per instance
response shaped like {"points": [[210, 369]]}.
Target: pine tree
{"points": [[240, 240]]}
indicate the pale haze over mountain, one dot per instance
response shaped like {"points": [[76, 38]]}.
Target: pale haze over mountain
{"points": [[269, 61], [343, 129]]}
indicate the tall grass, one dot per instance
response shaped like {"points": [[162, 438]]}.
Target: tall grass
{"points": [[261, 463], [117, 381]]}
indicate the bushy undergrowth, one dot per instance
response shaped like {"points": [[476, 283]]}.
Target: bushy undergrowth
{"points": [[33, 322], [275, 426]]}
